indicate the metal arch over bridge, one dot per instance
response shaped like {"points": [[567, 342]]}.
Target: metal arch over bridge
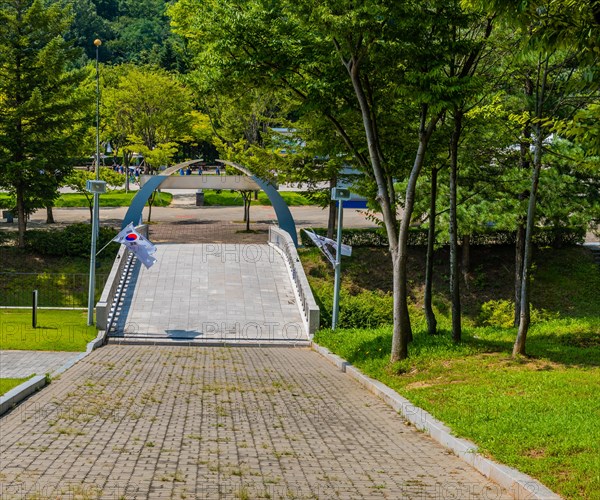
{"points": [[251, 182]]}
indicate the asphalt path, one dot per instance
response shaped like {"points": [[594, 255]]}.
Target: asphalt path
{"points": [[306, 216]]}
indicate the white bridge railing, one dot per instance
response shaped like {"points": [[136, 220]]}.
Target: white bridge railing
{"points": [[281, 240]]}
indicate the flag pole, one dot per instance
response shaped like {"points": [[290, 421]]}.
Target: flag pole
{"points": [[99, 251]]}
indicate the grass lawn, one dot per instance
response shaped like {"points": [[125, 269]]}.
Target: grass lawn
{"points": [[116, 198], [6, 384], [539, 414], [57, 330], [120, 198], [62, 281], [229, 199], [110, 199]]}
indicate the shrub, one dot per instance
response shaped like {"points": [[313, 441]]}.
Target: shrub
{"points": [[366, 309], [497, 313], [417, 236], [370, 237], [72, 241], [501, 313]]}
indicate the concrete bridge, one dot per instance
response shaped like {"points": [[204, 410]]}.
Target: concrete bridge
{"points": [[211, 294]]}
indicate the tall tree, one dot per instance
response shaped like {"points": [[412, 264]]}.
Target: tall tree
{"points": [[147, 107], [384, 79], [42, 104]]}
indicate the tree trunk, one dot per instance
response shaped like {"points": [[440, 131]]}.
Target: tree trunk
{"points": [[519, 256], [466, 258], [402, 327], [150, 203], [22, 221], [401, 319], [398, 241], [247, 199], [525, 164], [525, 316], [429, 314], [454, 272], [49, 215]]}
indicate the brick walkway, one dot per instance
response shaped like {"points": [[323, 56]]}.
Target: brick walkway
{"points": [[21, 364], [209, 231], [174, 422]]}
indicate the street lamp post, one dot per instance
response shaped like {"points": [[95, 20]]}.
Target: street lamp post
{"points": [[339, 195], [96, 189]]}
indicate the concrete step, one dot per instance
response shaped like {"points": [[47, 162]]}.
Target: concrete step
{"points": [[213, 342]]}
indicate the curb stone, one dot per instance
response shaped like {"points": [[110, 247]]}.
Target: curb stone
{"points": [[13, 397], [520, 485]]}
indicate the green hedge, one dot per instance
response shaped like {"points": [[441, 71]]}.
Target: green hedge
{"points": [[72, 241], [367, 309], [376, 237], [371, 237]]}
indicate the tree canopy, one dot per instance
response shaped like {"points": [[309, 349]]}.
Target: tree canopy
{"points": [[43, 102]]}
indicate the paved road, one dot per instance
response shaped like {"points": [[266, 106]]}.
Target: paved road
{"points": [[304, 216], [213, 292], [174, 422], [182, 210]]}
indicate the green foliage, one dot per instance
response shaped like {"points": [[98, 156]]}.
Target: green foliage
{"points": [[501, 313], [497, 313], [44, 103], [77, 180], [57, 330], [229, 198], [149, 109], [110, 199], [526, 413], [73, 240], [364, 309], [376, 237], [6, 384], [131, 32]]}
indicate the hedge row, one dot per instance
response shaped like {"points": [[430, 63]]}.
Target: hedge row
{"points": [[72, 241], [376, 237]]}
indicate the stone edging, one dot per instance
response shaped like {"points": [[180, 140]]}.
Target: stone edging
{"points": [[520, 485], [17, 394]]}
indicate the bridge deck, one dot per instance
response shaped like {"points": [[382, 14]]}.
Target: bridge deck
{"points": [[202, 293]]}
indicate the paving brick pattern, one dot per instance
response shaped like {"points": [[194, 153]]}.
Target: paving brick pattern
{"points": [[21, 364], [209, 231], [175, 422], [213, 292]]}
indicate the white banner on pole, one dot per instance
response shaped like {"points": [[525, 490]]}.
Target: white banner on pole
{"points": [[328, 246]]}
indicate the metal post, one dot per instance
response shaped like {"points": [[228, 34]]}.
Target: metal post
{"points": [[34, 307], [96, 212], [338, 268]]}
